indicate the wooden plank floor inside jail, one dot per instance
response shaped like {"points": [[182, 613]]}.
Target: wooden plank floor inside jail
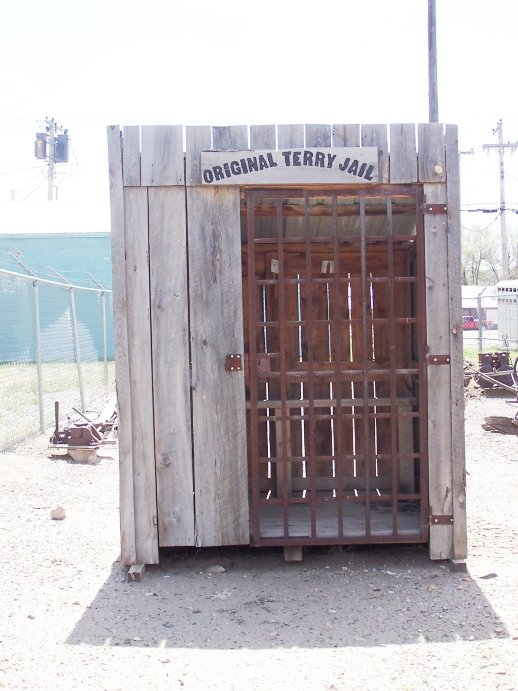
{"points": [[408, 522]]}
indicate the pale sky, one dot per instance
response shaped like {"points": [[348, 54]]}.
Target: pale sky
{"points": [[96, 63]]}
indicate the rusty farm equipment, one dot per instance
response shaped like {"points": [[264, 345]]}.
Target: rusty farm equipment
{"points": [[495, 371], [82, 435]]}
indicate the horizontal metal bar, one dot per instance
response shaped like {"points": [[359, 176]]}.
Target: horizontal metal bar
{"points": [[343, 322], [332, 402], [407, 191], [347, 497], [43, 281], [388, 538], [373, 374], [342, 241]]}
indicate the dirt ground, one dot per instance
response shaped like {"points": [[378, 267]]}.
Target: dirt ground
{"points": [[364, 618]]}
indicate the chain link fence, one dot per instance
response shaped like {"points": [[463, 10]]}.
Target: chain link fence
{"points": [[490, 318], [490, 334], [56, 344]]}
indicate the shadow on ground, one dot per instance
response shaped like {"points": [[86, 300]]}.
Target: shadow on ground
{"points": [[366, 596]]}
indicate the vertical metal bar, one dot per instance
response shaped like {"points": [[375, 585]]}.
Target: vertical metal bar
{"points": [[105, 342], [283, 340], [479, 328], [38, 355], [77, 351], [395, 459], [337, 353], [311, 369], [103, 302], [252, 364], [422, 379], [365, 365]]}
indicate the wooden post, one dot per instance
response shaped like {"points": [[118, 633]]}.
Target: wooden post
{"points": [[460, 547], [120, 332], [433, 174], [140, 374], [132, 330], [105, 339]]}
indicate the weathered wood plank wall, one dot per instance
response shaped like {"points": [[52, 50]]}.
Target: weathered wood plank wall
{"points": [[171, 378], [140, 370], [162, 156], [403, 159], [218, 396], [151, 300]]}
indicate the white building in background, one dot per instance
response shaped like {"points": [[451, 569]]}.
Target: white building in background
{"points": [[507, 296], [481, 302]]}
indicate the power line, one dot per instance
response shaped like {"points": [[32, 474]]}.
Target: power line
{"points": [[475, 230], [28, 183], [20, 170], [491, 211], [33, 191]]}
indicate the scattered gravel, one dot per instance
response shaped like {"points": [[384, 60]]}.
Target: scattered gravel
{"points": [[368, 618]]}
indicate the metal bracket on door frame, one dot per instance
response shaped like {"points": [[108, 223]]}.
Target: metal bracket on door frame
{"points": [[435, 209], [233, 362], [438, 359], [441, 519]]}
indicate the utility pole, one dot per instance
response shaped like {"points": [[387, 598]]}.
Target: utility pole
{"points": [[512, 146], [433, 101], [51, 126], [51, 146]]}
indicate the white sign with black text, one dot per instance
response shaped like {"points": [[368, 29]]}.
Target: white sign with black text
{"points": [[350, 165]]}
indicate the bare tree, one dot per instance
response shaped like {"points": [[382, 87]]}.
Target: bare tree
{"points": [[480, 256], [513, 253]]}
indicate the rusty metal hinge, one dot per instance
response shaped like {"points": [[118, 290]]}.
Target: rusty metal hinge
{"points": [[233, 363], [441, 520], [435, 209], [437, 359]]}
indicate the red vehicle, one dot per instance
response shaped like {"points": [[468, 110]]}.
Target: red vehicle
{"points": [[469, 323]]}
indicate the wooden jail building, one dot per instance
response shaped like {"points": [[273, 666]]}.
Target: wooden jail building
{"points": [[288, 336]]}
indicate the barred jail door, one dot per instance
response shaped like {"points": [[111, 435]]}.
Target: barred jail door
{"points": [[336, 394]]}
